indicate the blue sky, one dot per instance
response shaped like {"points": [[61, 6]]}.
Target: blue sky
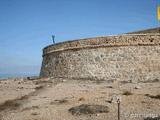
{"points": [[26, 26]]}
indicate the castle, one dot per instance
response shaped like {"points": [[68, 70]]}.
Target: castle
{"points": [[133, 56]]}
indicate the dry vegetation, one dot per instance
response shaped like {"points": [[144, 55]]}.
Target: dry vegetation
{"points": [[153, 96], [156, 118], [39, 87], [127, 93], [13, 104], [56, 99], [10, 104]]}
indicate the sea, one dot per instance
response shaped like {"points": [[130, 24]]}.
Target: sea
{"points": [[17, 75]]}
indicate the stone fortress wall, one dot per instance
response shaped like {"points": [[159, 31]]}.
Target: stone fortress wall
{"points": [[124, 57]]}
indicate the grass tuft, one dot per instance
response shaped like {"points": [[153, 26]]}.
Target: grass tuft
{"points": [[39, 87], [9, 104], [153, 96], [24, 97], [12, 104], [127, 93]]}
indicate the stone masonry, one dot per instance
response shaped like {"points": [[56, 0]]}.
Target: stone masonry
{"points": [[125, 57]]}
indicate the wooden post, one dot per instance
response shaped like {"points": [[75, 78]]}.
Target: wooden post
{"points": [[118, 101]]}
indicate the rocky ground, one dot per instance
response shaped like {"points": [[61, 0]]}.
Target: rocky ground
{"points": [[63, 99]]}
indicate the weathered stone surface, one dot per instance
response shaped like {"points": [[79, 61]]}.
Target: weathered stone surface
{"points": [[119, 57], [88, 109]]}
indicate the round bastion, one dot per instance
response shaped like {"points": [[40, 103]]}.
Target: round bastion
{"points": [[124, 57]]}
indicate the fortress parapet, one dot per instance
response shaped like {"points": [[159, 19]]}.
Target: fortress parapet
{"points": [[124, 57]]}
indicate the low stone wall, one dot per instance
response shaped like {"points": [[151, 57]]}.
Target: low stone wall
{"points": [[113, 40], [121, 57], [147, 31]]}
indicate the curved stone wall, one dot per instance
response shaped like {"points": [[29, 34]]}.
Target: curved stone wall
{"points": [[123, 57]]}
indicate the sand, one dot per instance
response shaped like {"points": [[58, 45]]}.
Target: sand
{"points": [[51, 98]]}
